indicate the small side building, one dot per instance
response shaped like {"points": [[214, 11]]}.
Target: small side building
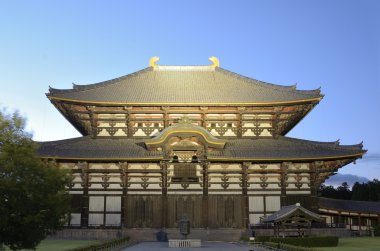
{"points": [[292, 220], [359, 216]]}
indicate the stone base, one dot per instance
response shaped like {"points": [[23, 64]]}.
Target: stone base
{"points": [[149, 234], [188, 243], [219, 234]]}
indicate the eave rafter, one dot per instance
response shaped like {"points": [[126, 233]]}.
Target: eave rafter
{"points": [[85, 117]]}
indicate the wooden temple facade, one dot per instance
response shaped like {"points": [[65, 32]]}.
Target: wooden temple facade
{"points": [[200, 141]]}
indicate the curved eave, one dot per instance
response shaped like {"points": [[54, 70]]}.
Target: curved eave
{"points": [[272, 103], [222, 159], [311, 158]]}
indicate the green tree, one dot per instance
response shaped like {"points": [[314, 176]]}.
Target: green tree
{"points": [[343, 191], [33, 199]]}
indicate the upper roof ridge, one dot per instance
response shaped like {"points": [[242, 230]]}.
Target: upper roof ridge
{"points": [[290, 88]]}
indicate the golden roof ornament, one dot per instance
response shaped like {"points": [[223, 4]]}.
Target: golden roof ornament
{"points": [[153, 61], [215, 61]]}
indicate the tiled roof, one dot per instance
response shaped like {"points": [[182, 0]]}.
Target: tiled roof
{"points": [[86, 147], [283, 148], [350, 205], [183, 85], [285, 211]]}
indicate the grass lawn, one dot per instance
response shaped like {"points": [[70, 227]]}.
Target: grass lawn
{"points": [[356, 244], [61, 245]]}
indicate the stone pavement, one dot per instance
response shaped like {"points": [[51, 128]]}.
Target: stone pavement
{"points": [[206, 246]]}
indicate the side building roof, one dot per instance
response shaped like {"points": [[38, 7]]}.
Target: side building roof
{"points": [[261, 149], [287, 211], [178, 85], [350, 205]]}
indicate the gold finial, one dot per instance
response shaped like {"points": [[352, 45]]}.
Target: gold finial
{"points": [[153, 61], [215, 61]]}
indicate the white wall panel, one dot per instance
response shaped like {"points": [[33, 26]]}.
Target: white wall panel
{"points": [[113, 220], [256, 203], [272, 203], [96, 203], [95, 219], [255, 218], [113, 204], [75, 219]]}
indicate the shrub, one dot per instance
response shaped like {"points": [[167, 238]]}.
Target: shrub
{"points": [[316, 241], [376, 230], [262, 238], [103, 246]]}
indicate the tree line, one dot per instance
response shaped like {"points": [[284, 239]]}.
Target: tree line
{"points": [[369, 191]]}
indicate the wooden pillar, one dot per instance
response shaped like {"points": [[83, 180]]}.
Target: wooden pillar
{"points": [[239, 124], [283, 167], [205, 199], [166, 116], [350, 220], [128, 121], [124, 198], [339, 217], [244, 186], [83, 166], [360, 222], [164, 196], [203, 116]]}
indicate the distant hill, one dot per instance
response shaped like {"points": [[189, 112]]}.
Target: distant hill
{"points": [[338, 179]]}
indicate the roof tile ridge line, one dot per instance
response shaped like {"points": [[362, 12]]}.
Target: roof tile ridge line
{"points": [[289, 88], [85, 87]]}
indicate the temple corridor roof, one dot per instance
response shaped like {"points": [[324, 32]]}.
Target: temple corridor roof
{"points": [[350, 205], [184, 85], [263, 149]]}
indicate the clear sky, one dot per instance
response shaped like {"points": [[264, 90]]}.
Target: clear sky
{"points": [[332, 44]]}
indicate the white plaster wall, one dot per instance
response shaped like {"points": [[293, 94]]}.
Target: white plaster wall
{"points": [[75, 219], [95, 219], [113, 219], [256, 203], [255, 218], [113, 204], [96, 203], [139, 132], [273, 203]]}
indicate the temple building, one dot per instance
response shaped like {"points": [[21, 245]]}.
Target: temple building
{"points": [[195, 141]]}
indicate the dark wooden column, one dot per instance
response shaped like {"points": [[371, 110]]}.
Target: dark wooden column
{"points": [[244, 188], [124, 182], [166, 116], [240, 122], [164, 196], [339, 217], [284, 170], [128, 121], [83, 166], [203, 116], [205, 195]]}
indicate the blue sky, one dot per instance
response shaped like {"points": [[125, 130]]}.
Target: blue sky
{"points": [[330, 44]]}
